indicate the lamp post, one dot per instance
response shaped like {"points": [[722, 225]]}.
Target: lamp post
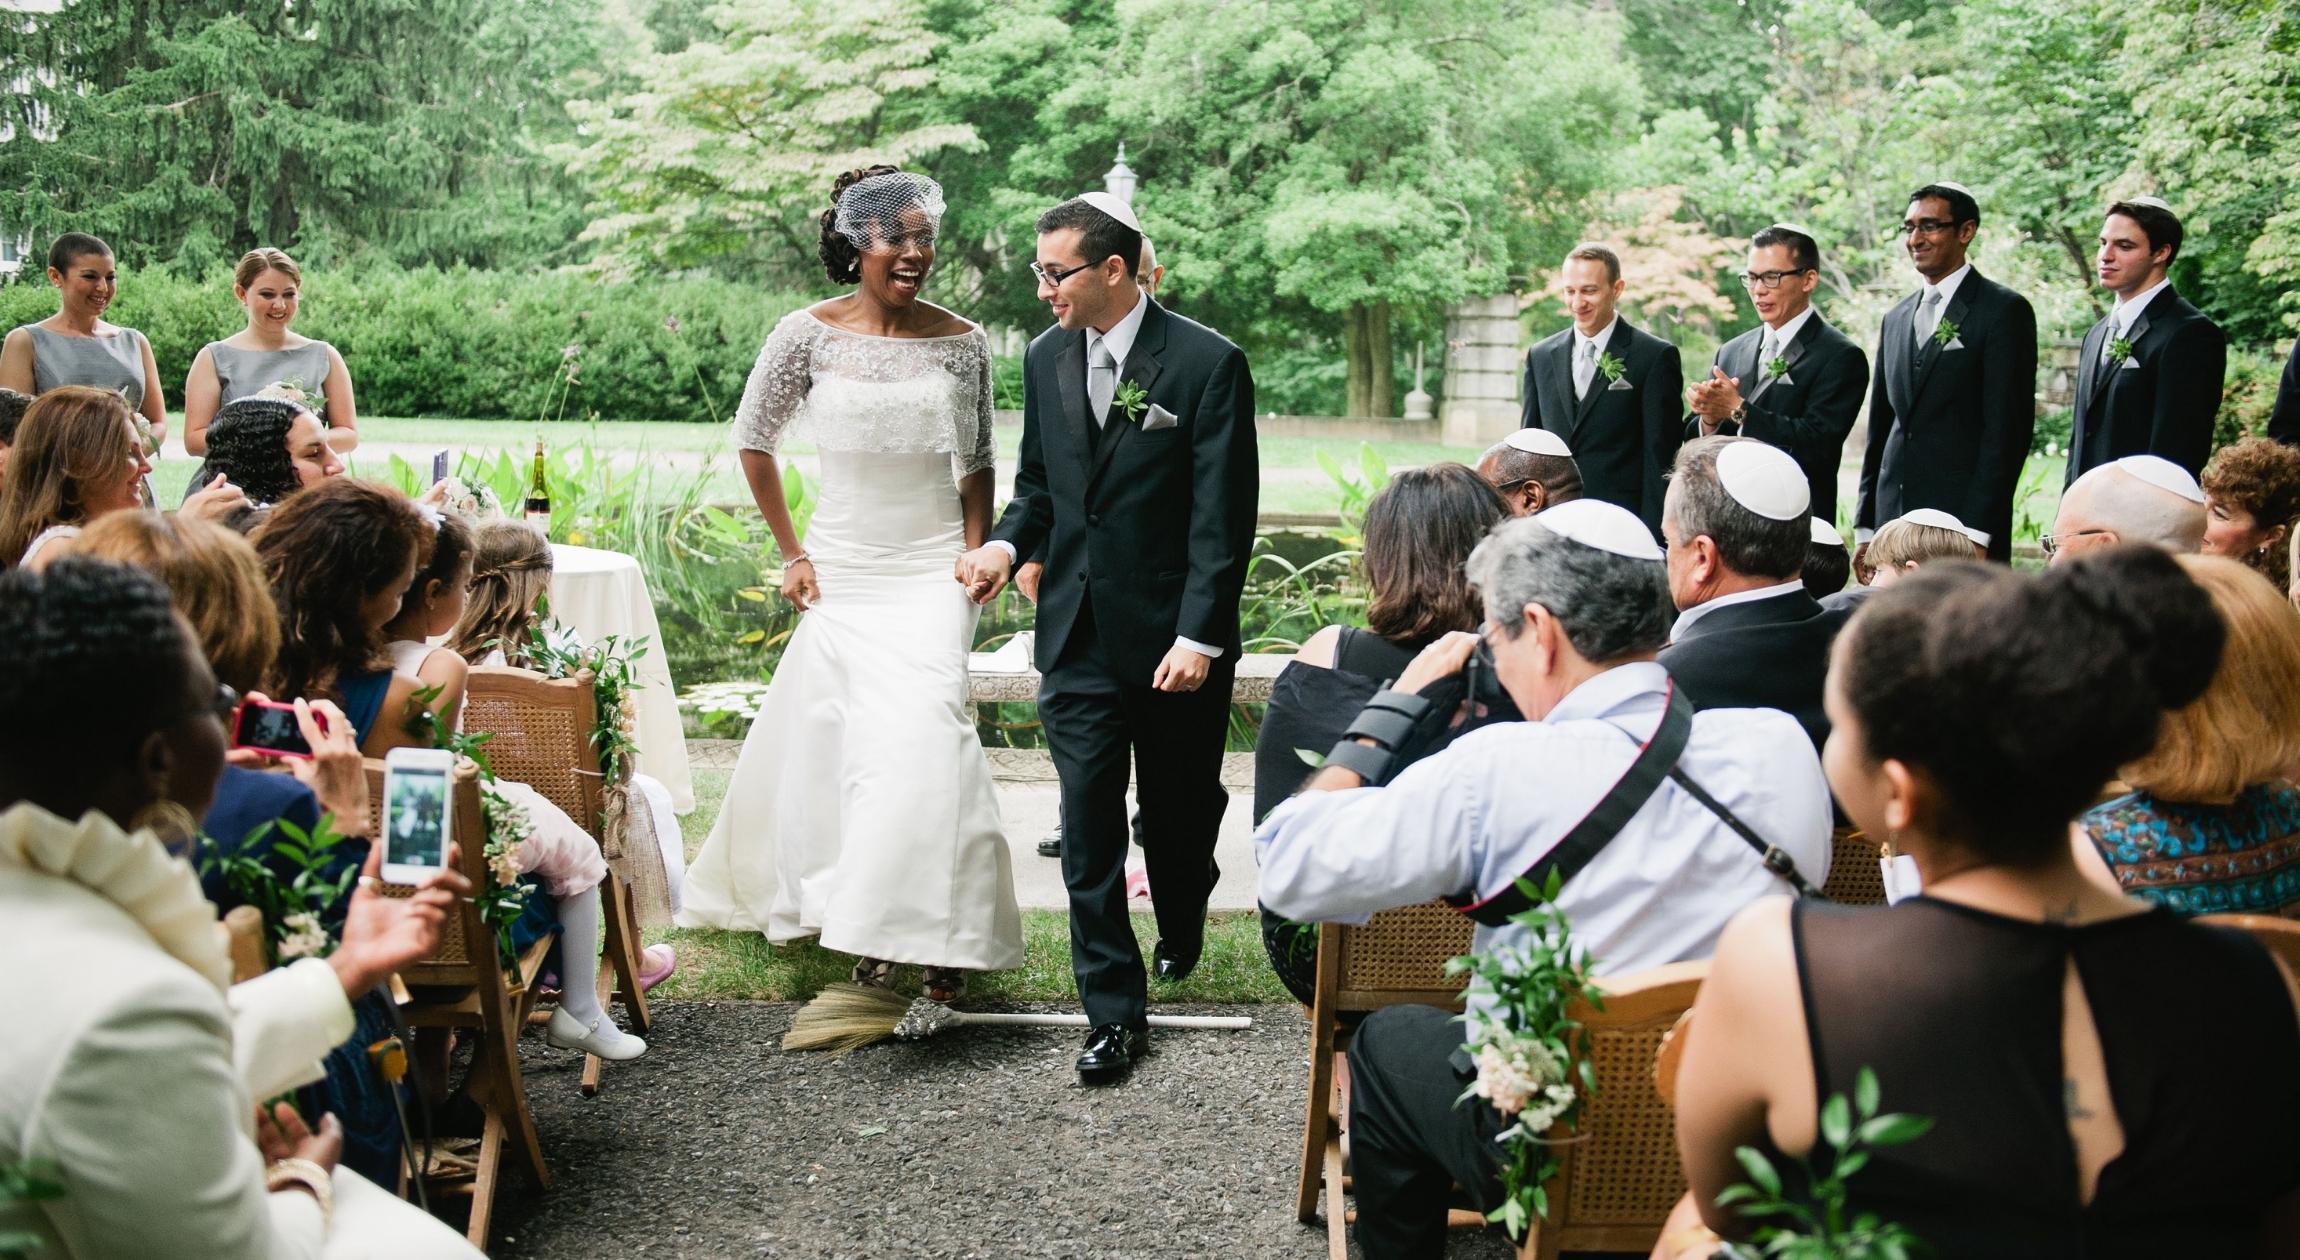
{"points": [[1120, 181]]}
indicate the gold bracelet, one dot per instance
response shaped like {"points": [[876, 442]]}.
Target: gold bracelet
{"points": [[310, 1176]]}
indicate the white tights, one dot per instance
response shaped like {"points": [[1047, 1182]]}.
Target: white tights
{"points": [[579, 955]]}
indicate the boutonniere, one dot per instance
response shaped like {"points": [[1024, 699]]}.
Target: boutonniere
{"points": [[1944, 332], [1777, 366], [1133, 399], [1611, 366], [2119, 350]]}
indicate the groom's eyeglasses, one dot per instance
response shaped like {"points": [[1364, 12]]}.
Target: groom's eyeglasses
{"points": [[1768, 280], [1053, 279]]}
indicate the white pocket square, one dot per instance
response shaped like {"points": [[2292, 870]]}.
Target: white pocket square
{"points": [[1955, 343], [1620, 383], [2128, 364], [1158, 418]]}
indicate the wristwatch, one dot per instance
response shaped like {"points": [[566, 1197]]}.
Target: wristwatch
{"points": [[1740, 413]]}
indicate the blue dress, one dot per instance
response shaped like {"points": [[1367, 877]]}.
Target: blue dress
{"points": [[2239, 858]]}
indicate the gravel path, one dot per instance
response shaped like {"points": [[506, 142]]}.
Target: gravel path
{"points": [[977, 1144]]}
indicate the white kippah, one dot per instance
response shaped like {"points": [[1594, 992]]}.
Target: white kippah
{"points": [[1826, 534], [1954, 186], [1113, 207], [1764, 480], [2150, 199], [1538, 442], [1799, 228], [1937, 519], [1605, 526], [2161, 473]]}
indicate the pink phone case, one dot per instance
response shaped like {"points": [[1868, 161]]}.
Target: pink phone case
{"points": [[289, 709]]}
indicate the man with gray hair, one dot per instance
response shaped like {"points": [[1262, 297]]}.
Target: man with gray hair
{"points": [[1594, 788], [1531, 469], [2137, 499], [1748, 634]]}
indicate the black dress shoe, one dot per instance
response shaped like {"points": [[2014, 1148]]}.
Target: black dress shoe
{"points": [[1111, 1050], [1051, 846], [1173, 963]]}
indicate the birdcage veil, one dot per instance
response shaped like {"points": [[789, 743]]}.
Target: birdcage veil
{"points": [[875, 212]]}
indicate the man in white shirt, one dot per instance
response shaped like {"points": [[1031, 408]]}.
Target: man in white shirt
{"points": [[2148, 380], [1576, 604]]}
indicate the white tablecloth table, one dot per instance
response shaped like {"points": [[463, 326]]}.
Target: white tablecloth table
{"points": [[600, 593]]}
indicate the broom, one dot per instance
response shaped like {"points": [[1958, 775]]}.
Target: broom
{"points": [[847, 1017]]}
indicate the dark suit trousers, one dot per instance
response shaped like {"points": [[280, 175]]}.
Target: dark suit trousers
{"points": [[1095, 724], [1409, 1143]]}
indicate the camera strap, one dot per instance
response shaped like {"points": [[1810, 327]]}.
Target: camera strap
{"points": [[1656, 760]]}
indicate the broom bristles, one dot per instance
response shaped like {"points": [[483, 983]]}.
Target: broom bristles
{"points": [[846, 1017]]}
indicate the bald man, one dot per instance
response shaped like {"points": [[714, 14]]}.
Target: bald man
{"points": [[2137, 499], [1529, 481]]}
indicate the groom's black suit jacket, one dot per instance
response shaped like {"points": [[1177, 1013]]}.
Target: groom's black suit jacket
{"points": [[2164, 403], [1154, 527], [1623, 440], [1810, 412]]}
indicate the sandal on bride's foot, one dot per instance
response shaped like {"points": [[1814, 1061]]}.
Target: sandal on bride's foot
{"points": [[877, 973], [944, 984]]}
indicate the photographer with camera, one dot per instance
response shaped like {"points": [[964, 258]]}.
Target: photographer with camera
{"points": [[1603, 784]]}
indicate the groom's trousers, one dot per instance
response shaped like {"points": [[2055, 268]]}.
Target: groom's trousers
{"points": [[1096, 723]]}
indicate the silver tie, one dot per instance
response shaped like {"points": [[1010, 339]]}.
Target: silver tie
{"points": [[1928, 316], [1765, 352], [1101, 380], [1584, 366]]}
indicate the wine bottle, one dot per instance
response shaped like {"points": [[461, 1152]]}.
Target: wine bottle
{"points": [[539, 495]]}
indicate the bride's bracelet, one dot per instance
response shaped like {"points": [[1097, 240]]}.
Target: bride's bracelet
{"points": [[800, 557]]}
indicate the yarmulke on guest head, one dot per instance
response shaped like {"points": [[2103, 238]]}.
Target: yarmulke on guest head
{"points": [[2152, 201], [1954, 186], [1764, 480], [1538, 442], [1939, 519], [2161, 473], [1826, 533], [1112, 206], [1605, 526]]}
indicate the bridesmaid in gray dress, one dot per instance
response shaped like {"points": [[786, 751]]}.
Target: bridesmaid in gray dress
{"points": [[75, 346], [267, 352]]}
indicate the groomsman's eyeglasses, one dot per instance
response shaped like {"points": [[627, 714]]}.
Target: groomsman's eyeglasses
{"points": [[1054, 279], [1925, 227], [1768, 280]]}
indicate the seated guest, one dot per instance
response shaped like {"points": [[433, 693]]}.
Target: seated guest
{"points": [[2103, 1079], [139, 1090], [12, 405], [1904, 543], [1419, 532], [77, 456], [1828, 565], [270, 448], [2212, 825], [339, 558], [2251, 495], [2137, 499], [1576, 604], [1532, 469], [1747, 635]]}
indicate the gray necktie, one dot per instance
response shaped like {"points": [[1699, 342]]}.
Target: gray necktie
{"points": [[1101, 380], [1765, 352], [1584, 366], [1928, 316]]}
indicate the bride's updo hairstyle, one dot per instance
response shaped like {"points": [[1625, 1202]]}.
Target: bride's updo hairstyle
{"points": [[842, 259], [2019, 695]]}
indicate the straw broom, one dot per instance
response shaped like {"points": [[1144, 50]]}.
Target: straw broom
{"points": [[847, 1017]]}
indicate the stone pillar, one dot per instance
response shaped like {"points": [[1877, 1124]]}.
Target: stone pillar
{"points": [[1482, 364]]}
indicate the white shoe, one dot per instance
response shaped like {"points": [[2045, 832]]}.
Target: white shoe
{"points": [[602, 1038]]}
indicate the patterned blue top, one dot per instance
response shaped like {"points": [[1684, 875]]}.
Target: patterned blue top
{"points": [[2238, 858]]}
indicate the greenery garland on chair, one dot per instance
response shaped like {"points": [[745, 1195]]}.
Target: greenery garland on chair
{"points": [[504, 899]]}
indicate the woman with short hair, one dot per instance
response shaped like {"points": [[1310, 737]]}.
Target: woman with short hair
{"points": [[2251, 495], [76, 346]]}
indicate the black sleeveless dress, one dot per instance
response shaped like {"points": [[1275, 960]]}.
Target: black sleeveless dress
{"points": [[1959, 1013]]}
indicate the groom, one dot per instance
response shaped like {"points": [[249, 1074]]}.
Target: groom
{"points": [[1136, 488]]}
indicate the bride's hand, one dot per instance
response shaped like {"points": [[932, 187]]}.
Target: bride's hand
{"points": [[799, 584]]}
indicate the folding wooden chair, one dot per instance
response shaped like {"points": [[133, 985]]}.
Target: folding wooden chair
{"points": [[1619, 1178], [1854, 876], [542, 738], [1398, 957], [463, 986]]}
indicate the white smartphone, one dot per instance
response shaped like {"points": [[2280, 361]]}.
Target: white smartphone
{"points": [[417, 821]]}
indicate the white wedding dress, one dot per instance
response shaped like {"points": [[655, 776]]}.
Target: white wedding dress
{"points": [[861, 809]]}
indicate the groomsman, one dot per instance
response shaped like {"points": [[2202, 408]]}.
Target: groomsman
{"points": [[1608, 388], [1793, 381], [2284, 422], [2148, 380], [1954, 403]]}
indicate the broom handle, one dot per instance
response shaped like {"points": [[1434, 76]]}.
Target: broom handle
{"points": [[1079, 1021]]}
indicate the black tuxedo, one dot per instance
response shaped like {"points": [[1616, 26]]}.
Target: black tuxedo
{"points": [[1768, 653], [1949, 424], [2284, 422], [1145, 535], [2163, 403], [1810, 412], [1623, 439]]}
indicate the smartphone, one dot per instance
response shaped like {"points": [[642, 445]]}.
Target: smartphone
{"points": [[438, 467], [269, 726], [417, 824]]}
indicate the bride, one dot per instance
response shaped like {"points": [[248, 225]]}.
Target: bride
{"points": [[861, 808]]}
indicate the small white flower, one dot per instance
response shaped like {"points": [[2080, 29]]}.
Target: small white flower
{"points": [[305, 938]]}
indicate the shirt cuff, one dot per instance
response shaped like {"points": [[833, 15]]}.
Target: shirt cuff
{"points": [[1202, 649], [1012, 556]]}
